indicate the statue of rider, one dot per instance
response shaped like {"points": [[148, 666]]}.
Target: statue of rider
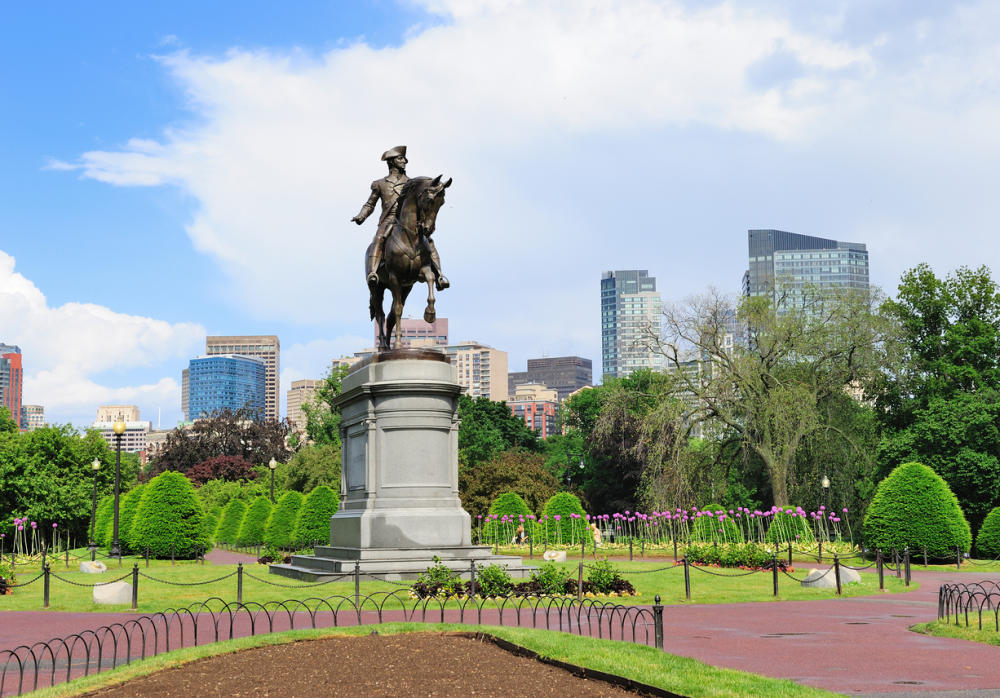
{"points": [[387, 190]]}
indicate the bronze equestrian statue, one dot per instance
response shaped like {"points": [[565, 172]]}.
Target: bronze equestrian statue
{"points": [[402, 252]]}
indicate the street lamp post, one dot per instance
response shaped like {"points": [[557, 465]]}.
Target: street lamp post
{"points": [[119, 429], [569, 462], [96, 465], [272, 465], [825, 483]]}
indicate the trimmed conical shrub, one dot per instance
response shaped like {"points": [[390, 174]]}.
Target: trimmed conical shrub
{"points": [[512, 506], [211, 523], [255, 522], [913, 507], [988, 538], [228, 530], [169, 519], [715, 525], [102, 521], [314, 516], [570, 524], [127, 506], [789, 525], [280, 531]]}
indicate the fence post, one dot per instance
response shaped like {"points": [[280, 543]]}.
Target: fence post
{"points": [[45, 551], [675, 549], [630, 549], [658, 622], [135, 585], [583, 548], [579, 583], [45, 591], [774, 573], [239, 583], [687, 579], [906, 562], [472, 578], [789, 555], [93, 553], [878, 567], [357, 583], [836, 572]]}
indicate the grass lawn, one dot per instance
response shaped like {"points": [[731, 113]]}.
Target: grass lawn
{"points": [[648, 577], [939, 628], [637, 662]]}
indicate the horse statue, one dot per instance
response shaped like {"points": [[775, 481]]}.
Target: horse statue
{"points": [[406, 258]]}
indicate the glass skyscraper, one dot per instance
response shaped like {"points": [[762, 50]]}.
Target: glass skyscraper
{"points": [[630, 314], [793, 263], [226, 381]]}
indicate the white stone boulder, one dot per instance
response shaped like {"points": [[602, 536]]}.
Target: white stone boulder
{"points": [[826, 579], [554, 555], [95, 567], [114, 593]]}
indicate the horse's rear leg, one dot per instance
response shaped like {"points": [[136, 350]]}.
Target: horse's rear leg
{"points": [[429, 314]]}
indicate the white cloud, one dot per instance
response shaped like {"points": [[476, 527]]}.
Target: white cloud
{"points": [[67, 347], [567, 127]]}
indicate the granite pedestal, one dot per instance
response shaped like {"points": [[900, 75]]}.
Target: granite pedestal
{"points": [[399, 504]]}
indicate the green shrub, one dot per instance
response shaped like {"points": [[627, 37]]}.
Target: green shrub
{"points": [[789, 525], [715, 525], [602, 576], [7, 573], [128, 504], [493, 580], [211, 523], [255, 522], [228, 530], [988, 538], [550, 578], [438, 579], [729, 555], [102, 522], [913, 507], [509, 504], [280, 531], [169, 519], [218, 493], [314, 516], [571, 524]]}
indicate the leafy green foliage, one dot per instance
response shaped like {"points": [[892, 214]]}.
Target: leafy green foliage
{"points": [[311, 467], [570, 526], [489, 428], [228, 530], [988, 538], [715, 525], [749, 555], [210, 523], [493, 580], [438, 579], [549, 578], [169, 518], [255, 522], [788, 526], [314, 518], [218, 493], [7, 424], [509, 471], [102, 522], [913, 507], [280, 531], [603, 576], [322, 416], [128, 505]]}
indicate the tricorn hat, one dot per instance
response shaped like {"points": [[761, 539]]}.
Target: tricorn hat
{"points": [[394, 152]]}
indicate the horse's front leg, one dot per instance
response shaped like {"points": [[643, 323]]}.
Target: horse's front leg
{"points": [[429, 314]]}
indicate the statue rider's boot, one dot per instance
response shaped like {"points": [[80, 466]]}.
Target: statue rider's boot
{"points": [[374, 259], [441, 281]]}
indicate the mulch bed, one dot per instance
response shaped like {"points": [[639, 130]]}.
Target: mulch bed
{"points": [[414, 664]]}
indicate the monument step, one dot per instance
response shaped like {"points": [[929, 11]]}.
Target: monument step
{"points": [[461, 552], [315, 569]]}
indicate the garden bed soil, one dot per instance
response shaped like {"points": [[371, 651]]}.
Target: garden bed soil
{"points": [[372, 665]]}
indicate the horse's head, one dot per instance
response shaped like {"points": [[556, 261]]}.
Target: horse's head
{"points": [[427, 195]]}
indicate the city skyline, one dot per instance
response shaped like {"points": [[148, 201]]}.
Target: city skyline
{"points": [[126, 239]]}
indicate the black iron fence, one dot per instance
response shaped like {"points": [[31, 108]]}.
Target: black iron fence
{"points": [[956, 602], [32, 666]]}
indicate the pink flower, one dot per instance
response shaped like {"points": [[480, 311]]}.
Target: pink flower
{"points": [[556, 517]]}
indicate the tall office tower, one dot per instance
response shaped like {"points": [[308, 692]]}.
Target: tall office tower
{"points": [[791, 263], [186, 393], [479, 369], [32, 417], [417, 333], [538, 406], [564, 374], [227, 382], [11, 381], [264, 347], [136, 430], [300, 393], [630, 317]]}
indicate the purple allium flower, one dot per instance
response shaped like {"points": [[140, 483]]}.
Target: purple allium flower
{"points": [[556, 517], [845, 510], [55, 525]]}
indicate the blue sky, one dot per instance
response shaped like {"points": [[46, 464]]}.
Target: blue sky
{"points": [[185, 168]]}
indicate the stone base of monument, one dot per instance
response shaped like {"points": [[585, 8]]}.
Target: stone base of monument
{"points": [[399, 505]]}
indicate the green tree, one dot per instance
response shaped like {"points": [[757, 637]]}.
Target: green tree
{"points": [[509, 471], [489, 428], [169, 520], [312, 466], [314, 518], [988, 538], [322, 415], [7, 424], [255, 522], [128, 505], [228, 530], [280, 530], [938, 400], [562, 519], [507, 504], [102, 521]]}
